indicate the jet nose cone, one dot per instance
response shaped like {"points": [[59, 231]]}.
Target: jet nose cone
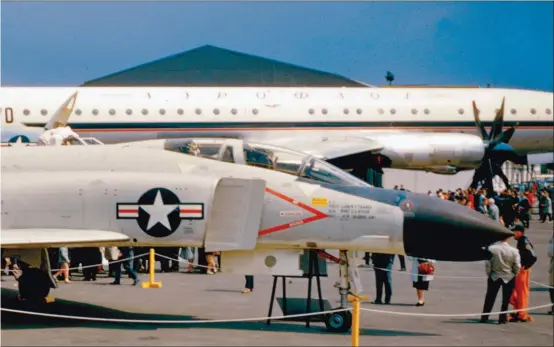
{"points": [[444, 230]]}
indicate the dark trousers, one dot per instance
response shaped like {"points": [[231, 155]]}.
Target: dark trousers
{"points": [[128, 266], [402, 261], [544, 215], [89, 273], [551, 290], [383, 278], [249, 282], [490, 297]]}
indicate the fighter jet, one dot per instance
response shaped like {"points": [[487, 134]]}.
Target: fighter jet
{"points": [[260, 220]]}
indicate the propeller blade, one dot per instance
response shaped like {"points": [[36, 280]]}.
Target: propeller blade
{"points": [[478, 123], [506, 136], [497, 170], [498, 122]]}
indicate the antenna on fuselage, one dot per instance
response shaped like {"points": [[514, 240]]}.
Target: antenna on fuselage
{"points": [[389, 77]]}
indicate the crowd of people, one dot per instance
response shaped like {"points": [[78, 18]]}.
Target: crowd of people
{"points": [[507, 207]]}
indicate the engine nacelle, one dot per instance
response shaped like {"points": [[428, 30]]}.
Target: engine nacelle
{"points": [[443, 170], [440, 153]]}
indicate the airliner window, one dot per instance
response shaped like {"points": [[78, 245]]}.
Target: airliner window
{"points": [[78, 112], [180, 111], [392, 111], [162, 111], [548, 111], [414, 111], [112, 111], [426, 111], [381, 111], [533, 111], [144, 111], [129, 111], [95, 112], [198, 111], [461, 111], [216, 111], [322, 171], [234, 111], [255, 111], [26, 112], [513, 110], [43, 112], [311, 111], [324, 111], [359, 111], [346, 111]]}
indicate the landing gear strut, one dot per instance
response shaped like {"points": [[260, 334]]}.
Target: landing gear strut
{"points": [[342, 321]]}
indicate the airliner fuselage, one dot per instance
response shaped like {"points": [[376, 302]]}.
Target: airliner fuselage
{"points": [[119, 114]]}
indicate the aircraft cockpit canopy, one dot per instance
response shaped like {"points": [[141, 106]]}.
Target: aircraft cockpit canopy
{"points": [[264, 156]]}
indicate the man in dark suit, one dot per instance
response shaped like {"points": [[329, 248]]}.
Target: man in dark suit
{"points": [[382, 265]]}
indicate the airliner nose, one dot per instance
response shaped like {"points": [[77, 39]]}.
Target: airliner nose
{"points": [[444, 230]]}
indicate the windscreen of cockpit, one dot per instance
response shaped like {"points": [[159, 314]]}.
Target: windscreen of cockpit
{"points": [[298, 164], [319, 170]]}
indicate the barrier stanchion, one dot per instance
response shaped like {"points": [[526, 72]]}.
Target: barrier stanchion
{"points": [[151, 265], [355, 330]]}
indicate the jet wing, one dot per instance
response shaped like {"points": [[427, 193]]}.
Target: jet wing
{"points": [[332, 147], [34, 238]]}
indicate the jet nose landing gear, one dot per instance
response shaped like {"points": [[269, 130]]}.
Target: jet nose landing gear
{"points": [[343, 321]]}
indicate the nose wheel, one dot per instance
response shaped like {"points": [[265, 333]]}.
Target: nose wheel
{"points": [[338, 322], [341, 322]]}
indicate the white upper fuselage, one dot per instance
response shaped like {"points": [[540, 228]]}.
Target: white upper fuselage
{"points": [[119, 114]]}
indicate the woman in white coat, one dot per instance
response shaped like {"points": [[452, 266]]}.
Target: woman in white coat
{"points": [[421, 281]]}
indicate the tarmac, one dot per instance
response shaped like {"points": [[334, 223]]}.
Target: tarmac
{"points": [[202, 297]]}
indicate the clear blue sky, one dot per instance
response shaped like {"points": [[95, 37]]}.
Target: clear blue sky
{"points": [[506, 44]]}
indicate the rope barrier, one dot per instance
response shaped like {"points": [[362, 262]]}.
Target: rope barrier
{"points": [[95, 265], [151, 321], [183, 261], [453, 314]]}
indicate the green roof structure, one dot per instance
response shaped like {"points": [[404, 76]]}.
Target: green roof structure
{"points": [[209, 66]]}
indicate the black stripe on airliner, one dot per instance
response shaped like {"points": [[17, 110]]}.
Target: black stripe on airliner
{"points": [[273, 125]]}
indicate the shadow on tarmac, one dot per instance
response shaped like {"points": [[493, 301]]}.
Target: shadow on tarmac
{"points": [[18, 321]]}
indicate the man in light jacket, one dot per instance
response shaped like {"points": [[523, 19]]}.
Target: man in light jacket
{"points": [[502, 268]]}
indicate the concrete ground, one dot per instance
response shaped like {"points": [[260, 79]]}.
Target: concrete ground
{"points": [[199, 297]]}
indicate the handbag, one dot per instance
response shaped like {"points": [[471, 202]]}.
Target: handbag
{"points": [[426, 268]]}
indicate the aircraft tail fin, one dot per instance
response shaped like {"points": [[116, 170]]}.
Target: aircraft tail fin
{"points": [[61, 116]]}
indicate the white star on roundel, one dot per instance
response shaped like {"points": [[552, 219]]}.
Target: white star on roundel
{"points": [[158, 212]]}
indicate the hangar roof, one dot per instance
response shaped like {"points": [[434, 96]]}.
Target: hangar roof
{"points": [[213, 66]]}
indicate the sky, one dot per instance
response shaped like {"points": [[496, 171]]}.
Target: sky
{"points": [[506, 44]]}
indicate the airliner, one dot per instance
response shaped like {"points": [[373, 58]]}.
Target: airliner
{"points": [[441, 130]]}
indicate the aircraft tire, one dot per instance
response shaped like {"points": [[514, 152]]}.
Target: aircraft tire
{"points": [[34, 284], [338, 322]]}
